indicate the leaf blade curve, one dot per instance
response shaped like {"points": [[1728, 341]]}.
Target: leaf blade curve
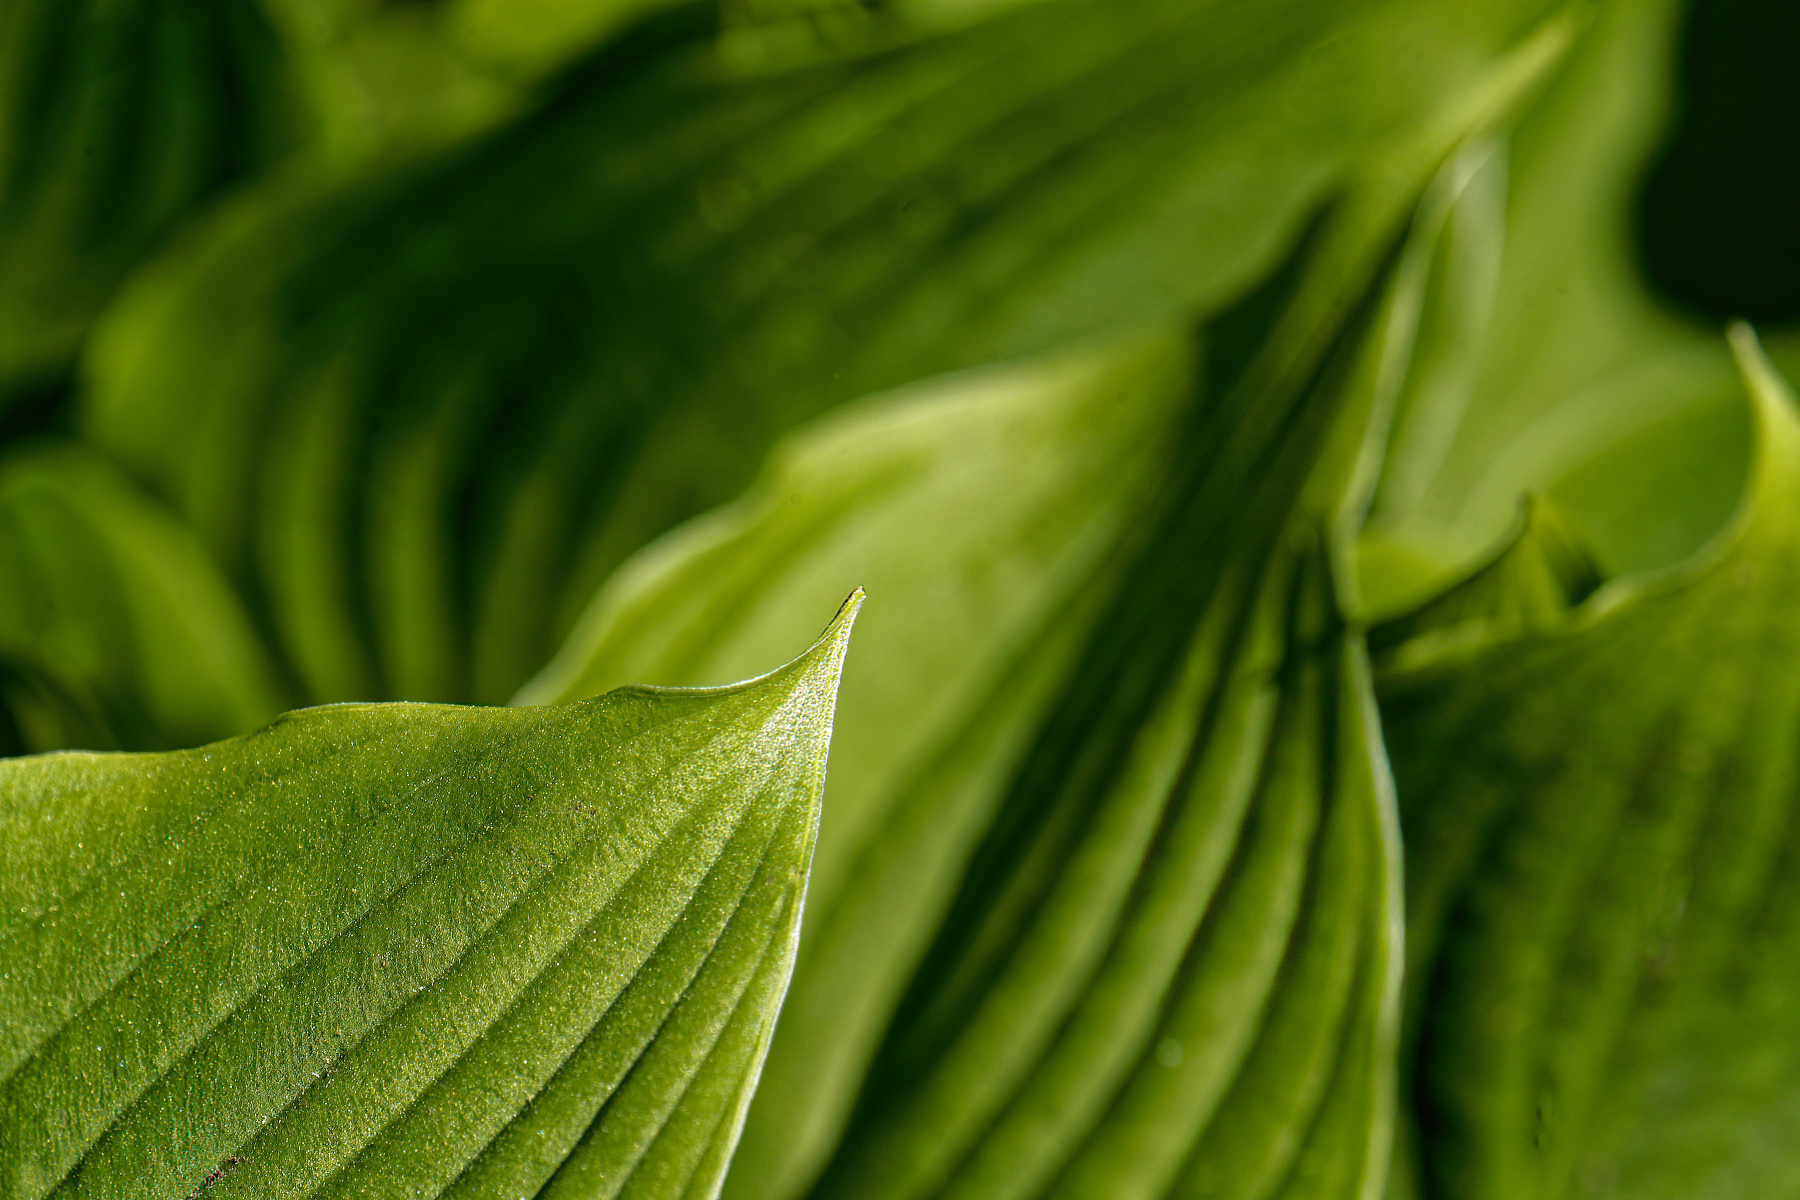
{"points": [[301, 954], [1608, 847]]}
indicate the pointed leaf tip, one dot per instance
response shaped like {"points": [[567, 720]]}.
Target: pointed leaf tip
{"points": [[575, 985], [1760, 376]]}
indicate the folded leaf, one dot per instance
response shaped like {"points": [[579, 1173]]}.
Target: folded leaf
{"points": [[408, 949], [1545, 568], [1549, 367], [116, 629], [423, 420], [1601, 857]]}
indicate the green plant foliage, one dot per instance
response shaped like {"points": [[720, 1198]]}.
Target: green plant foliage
{"points": [[116, 631], [1544, 366], [422, 433], [1257, 766], [1545, 568], [1600, 878], [984, 512], [116, 121], [1220, 397], [419, 949], [1125, 924]]}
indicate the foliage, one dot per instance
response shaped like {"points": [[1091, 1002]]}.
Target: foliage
{"points": [[1321, 727]]}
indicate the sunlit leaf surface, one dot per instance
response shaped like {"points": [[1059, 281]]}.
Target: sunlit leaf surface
{"points": [[408, 949]]}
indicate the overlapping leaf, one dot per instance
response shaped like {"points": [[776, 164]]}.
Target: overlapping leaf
{"points": [[1107, 900], [1600, 829], [1220, 940], [421, 422], [408, 949], [984, 513]]}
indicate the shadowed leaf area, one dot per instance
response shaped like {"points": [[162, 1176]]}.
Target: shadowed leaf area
{"points": [[409, 949], [116, 630], [420, 420], [117, 121], [1599, 822]]}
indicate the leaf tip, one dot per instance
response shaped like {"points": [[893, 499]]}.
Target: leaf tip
{"points": [[1776, 412], [821, 663], [1760, 376], [835, 641]]}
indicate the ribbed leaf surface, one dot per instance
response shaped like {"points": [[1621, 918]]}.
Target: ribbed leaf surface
{"points": [[409, 950], [1145, 942]]}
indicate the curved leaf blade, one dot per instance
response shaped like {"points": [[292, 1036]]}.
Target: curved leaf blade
{"points": [[1150, 944], [984, 511], [1599, 819], [418, 949]]}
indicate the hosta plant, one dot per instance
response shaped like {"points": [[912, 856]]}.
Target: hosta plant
{"points": [[1323, 723]]}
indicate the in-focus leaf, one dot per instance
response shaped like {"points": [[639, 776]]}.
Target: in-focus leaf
{"points": [[431, 415], [1601, 866], [409, 949], [116, 629]]}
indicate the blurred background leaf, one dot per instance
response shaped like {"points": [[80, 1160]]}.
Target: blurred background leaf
{"points": [[115, 627], [1547, 366], [435, 411], [117, 121], [1599, 881]]}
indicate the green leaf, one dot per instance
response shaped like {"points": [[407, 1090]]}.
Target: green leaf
{"points": [[1225, 1000], [1545, 569], [116, 630], [410, 949], [423, 419], [1601, 857]]}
